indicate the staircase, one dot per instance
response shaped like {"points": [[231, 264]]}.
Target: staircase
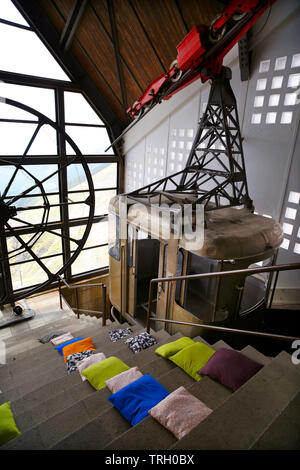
{"points": [[56, 410]]}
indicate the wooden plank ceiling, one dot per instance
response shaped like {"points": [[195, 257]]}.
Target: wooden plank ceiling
{"points": [[123, 45]]}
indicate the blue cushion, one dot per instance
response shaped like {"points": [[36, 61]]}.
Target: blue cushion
{"points": [[134, 400], [60, 347]]}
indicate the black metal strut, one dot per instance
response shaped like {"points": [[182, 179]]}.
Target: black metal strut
{"points": [[215, 169]]}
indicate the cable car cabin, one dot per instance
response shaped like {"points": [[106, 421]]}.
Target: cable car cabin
{"points": [[146, 244]]}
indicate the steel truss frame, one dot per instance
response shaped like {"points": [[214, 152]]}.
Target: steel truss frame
{"points": [[214, 174]]}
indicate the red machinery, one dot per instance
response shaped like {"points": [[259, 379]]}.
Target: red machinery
{"points": [[200, 54]]}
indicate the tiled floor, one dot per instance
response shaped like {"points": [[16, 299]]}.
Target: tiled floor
{"points": [[45, 307]]}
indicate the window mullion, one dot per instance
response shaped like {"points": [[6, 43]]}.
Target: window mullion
{"points": [[63, 180]]}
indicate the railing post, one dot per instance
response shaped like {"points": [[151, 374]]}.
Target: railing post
{"points": [[273, 289], [149, 306], [103, 305], [60, 294], [76, 300]]}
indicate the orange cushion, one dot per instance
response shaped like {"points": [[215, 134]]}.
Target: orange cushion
{"points": [[82, 345]]}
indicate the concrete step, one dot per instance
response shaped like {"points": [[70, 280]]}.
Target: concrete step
{"points": [[242, 418], [47, 354], [284, 431], [31, 345], [70, 385], [149, 434], [55, 371], [63, 322], [43, 434]]}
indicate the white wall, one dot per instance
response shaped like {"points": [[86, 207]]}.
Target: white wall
{"points": [[159, 144]]}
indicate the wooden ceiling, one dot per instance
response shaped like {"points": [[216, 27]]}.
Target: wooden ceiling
{"points": [[123, 45]]}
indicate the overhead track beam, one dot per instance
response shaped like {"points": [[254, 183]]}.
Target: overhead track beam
{"points": [[72, 23], [112, 20]]}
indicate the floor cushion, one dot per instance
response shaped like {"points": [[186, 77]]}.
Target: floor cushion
{"points": [[115, 335], [8, 427], [60, 347], [53, 334], [230, 368], [73, 359], [180, 412], [121, 380], [136, 399], [89, 361], [140, 342], [97, 374], [192, 358], [62, 339], [85, 344], [169, 349]]}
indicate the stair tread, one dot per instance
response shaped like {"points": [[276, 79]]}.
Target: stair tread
{"points": [[284, 431], [30, 385], [78, 410], [237, 421], [47, 356], [25, 401]]}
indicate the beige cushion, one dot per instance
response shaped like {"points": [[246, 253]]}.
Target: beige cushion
{"points": [[180, 412], [124, 378], [89, 361], [62, 339]]}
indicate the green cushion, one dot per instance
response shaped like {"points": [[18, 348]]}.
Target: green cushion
{"points": [[172, 348], [8, 427], [98, 373], [192, 358]]}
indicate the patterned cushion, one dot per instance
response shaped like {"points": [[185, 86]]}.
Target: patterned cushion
{"points": [[115, 335], [74, 359], [89, 361], [121, 380], [180, 412], [140, 342]]}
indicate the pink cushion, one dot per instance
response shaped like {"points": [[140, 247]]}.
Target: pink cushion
{"points": [[124, 378], [61, 339], [180, 412], [89, 361]]}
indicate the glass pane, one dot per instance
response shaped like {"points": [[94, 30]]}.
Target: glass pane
{"points": [[40, 99], [90, 140], [25, 53], [81, 209], [30, 274], [78, 110], [37, 214], [45, 142], [97, 236], [88, 260], [9, 12], [27, 274], [102, 201], [104, 176], [15, 137], [42, 244], [24, 180]]}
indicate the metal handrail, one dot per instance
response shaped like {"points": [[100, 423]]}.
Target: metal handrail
{"points": [[76, 286], [247, 271]]}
